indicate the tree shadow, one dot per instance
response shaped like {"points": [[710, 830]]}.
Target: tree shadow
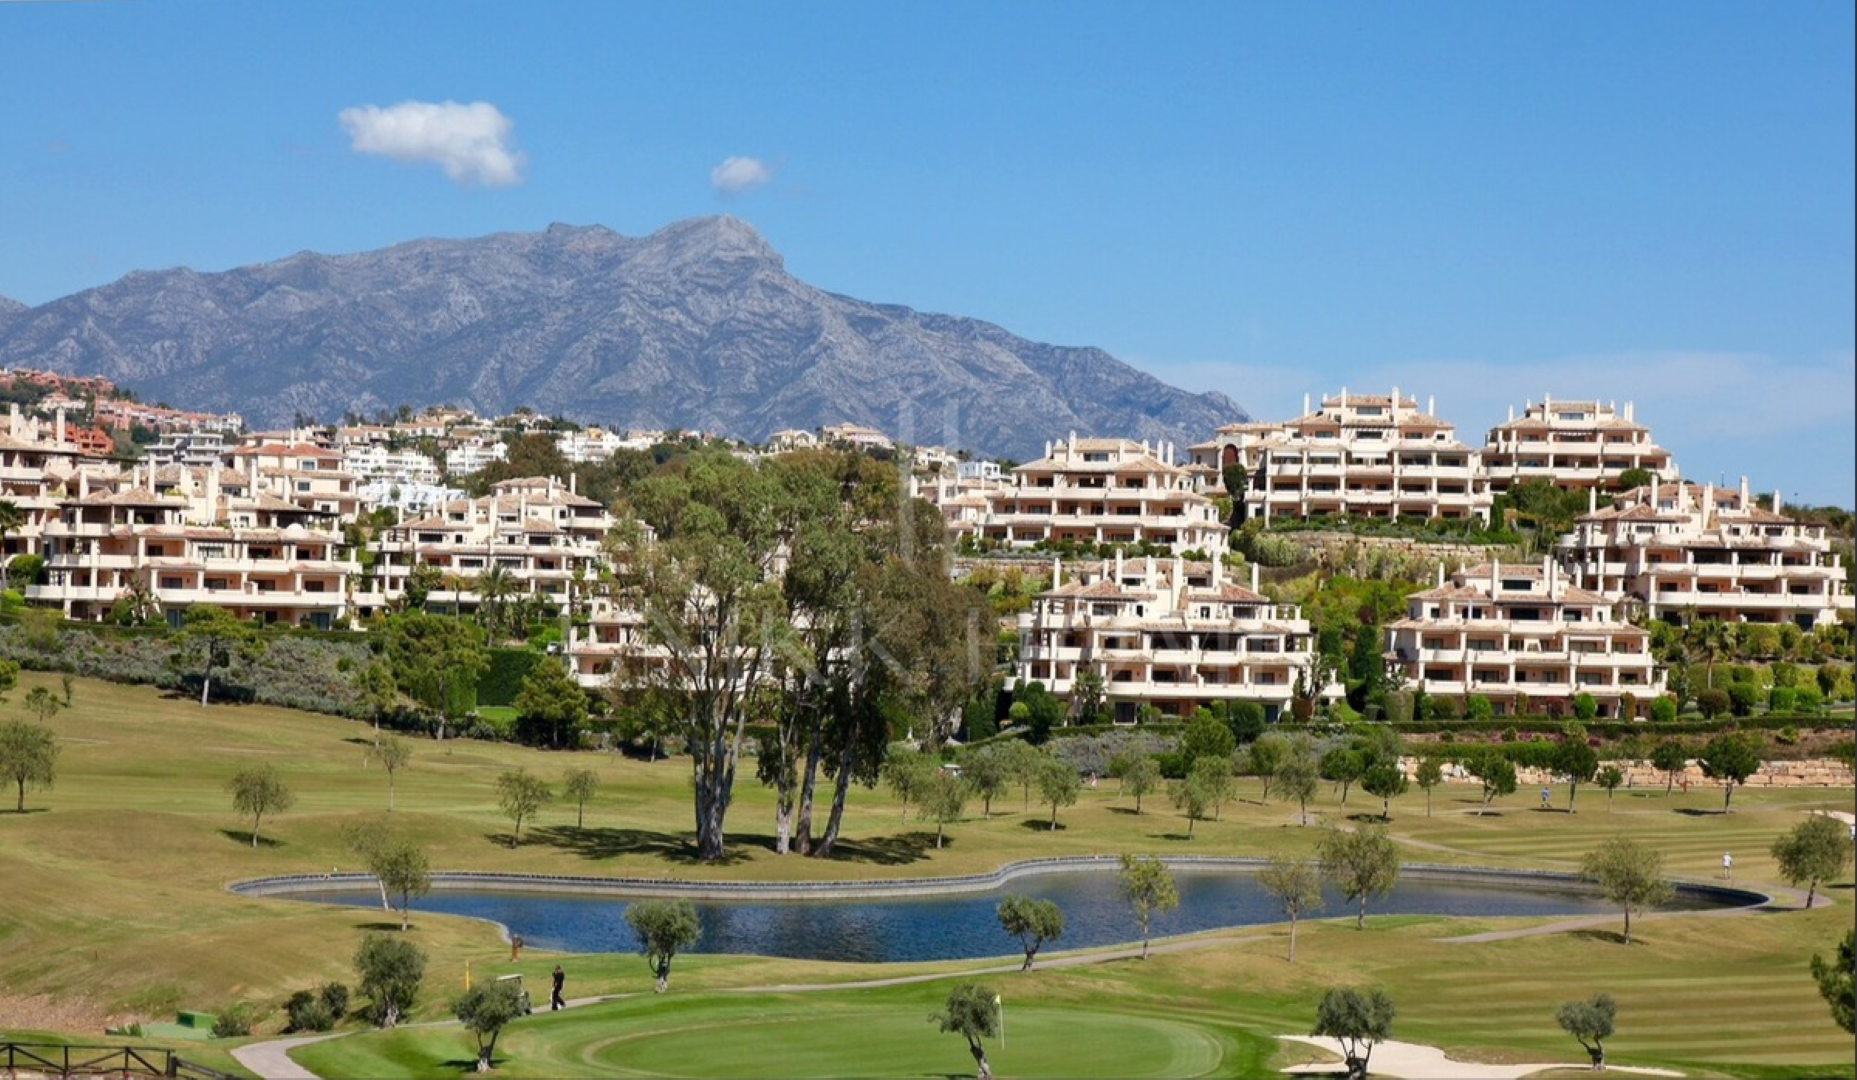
{"points": [[1129, 810], [1695, 811], [243, 836], [47, 810], [386, 927], [468, 1066], [898, 850], [597, 842], [1366, 819], [1042, 825], [1611, 937], [1172, 836], [358, 740]]}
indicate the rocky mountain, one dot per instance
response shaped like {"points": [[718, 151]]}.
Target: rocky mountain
{"points": [[697, 326]]}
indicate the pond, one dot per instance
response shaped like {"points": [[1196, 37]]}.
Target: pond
{"points": [[963, 925]]}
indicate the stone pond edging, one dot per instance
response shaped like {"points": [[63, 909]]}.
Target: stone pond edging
{"points": [[291, 884]]}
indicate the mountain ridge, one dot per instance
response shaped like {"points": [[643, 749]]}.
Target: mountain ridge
{"points": [[695, 326]]}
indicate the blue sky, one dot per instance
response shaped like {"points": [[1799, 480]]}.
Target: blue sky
{"points": [[1482, 202]]}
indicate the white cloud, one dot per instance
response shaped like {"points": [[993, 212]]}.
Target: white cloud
{"points": [[737, 174], [470, 142]]}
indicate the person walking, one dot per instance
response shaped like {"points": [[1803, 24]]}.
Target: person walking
{"points": [[556, 1003], [1727, 866]]}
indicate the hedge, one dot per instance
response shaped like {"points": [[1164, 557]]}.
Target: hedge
{"points": [[503, 681]]}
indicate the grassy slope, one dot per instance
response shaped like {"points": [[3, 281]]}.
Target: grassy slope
{"points": [[114, 890]]}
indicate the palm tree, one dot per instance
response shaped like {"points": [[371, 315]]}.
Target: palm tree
{"points": [[1713, 639], [12, 519], [493, 587]]}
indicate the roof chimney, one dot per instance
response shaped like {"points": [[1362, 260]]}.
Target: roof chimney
{"points": [[1073, 442], [1776, 500], [1057, 571], [1253, 577], [58, 425], [1218, 567], [1118, 567], [1744, 499], [1592, 499], [1440, 573]]}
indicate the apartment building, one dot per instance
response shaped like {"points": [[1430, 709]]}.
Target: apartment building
{"points": [[1169, 633], [377, 461], [472, 453], [191, 536], [543, 534], [195, 448], [1523, 636], [1100, 491], [1571, 444], [589, 445], [1698, 551], [1359, 455], [303, 472]]}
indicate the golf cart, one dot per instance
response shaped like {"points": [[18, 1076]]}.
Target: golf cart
{"points": [[522, 995]]}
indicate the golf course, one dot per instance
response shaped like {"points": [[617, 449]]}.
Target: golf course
{"points": [[115, 908]]}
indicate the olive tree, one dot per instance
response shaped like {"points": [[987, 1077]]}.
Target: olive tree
{"points": [[1817, 849], [944, 798], [485, 1009], [1835, 982], [580, 786], [1361, 864], [521, 796], [1628, 874], [1430, 775], [390, 970], [1032, 921], [1591, 1022], [1609, 778], [1497, 774], [1730, 758], [28, 757], [663, 929], [1578, 762], [1385, 781], [972, 1012], [1058, 786], [1296, 886], [258, 791], [1669, 757], [395, 753], [1139, 773], [1149, 888], [1358, 1019]]}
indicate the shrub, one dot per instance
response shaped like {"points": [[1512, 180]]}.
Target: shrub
{"points": [[1782, 699], [335, 996], [308, 1012], [232, 1022], [1509, 734], [1478, 707], [1446, 708], [503, 680], [1585, 706], [1787, 736], [1742, 697], [1398, 706], [1713, 703], [1093, 753], [1806, 699], [1663, 710]]}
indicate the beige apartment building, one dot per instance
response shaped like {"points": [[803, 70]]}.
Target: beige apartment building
{"points": [[1523, 636], [1168, 633], [1571, 444], [187, 536], [1359, 455], [1098, 491], [540, 531], [1697, 551]]}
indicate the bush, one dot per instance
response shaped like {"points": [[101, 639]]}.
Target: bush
{"points": [[1092, 753], [1806, 699], [503, 680], [1713, 703], [1788, 736], [335, 996], [1398, 706], [1446, 708], [1663, 710], [1782, 699], [1585, 706], [308, 1012], [232, 1022], [1478, 707], [1742, 697]]}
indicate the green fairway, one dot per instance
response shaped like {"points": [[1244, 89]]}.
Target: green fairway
{"points": [[115, 909]]}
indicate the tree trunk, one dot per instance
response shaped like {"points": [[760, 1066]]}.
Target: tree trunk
{"points": [[783, 820], [938, 827], [1573, 790], [808, 784], [20, 807], [385, 904], [1053, 817], [1427, 802], [841, 788], [580, 815], [664, 976], [1292, 939], [1627, 924], [390, 792], [1360, 921], [1357, 1068], [254, 830], [404, 917], [984, 1071], [1727, 793], [206, 684], [1599, 1058]]}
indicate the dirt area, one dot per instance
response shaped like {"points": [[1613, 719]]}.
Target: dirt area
{"points": [[40, 1012]]}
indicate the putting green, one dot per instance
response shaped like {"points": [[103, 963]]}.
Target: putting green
{"points": [[879, 1034]]}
